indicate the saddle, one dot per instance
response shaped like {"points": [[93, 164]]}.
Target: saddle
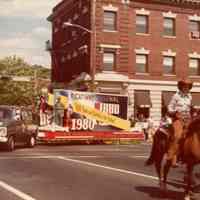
{"points": [[166, 129]]}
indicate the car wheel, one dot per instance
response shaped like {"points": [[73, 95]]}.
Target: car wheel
{"points": [[31, 141], [10, 146]]}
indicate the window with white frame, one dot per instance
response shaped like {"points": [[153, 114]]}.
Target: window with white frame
{"points": [[109, 20], [109, 59], [142, 24], [194, 66], [169, 27], [168, 64], [141, 63], [194, 28]]}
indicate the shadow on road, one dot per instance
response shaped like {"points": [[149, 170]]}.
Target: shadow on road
{"points": [[182, 184], [156, 193]]}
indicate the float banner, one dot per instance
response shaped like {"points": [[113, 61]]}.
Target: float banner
{"points": [[93, 113]]}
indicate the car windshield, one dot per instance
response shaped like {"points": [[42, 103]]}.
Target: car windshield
{"points": [[5, 113]]}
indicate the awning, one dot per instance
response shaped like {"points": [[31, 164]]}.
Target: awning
{"points": [[142, 99], [196, 99], [166, 97]]}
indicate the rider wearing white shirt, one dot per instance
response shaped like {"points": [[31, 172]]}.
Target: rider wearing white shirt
{"points": [[181, 103], [180, 109]]}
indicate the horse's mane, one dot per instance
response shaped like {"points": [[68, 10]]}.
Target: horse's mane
{"points": [[194, 126]]}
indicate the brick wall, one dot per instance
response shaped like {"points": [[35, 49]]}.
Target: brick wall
{"points": [[126, 37]]}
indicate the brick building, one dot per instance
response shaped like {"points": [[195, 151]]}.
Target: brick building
{"points": [[140, 48]]}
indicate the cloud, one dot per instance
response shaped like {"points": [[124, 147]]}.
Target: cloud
{"points": [[41, 31], [18, 43], [29, 8], [31, 50], [25, 29], [30, 57]]}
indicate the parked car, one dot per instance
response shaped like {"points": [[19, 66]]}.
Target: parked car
{"points": [[16, 128]]}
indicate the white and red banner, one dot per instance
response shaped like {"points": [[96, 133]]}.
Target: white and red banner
{"points": [[92, 111]]}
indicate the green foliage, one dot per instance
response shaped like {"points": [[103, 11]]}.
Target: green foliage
{"points": [[19, 93], [14, 65]]}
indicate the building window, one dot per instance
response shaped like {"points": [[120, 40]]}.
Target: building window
{"points": [[142, 24], [194, 67], [168, 64], [109, 59], [194, 28], [142, 103], [169, 27], [141, 63], [109, 22]]}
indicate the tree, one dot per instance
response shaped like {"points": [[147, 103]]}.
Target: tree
{"points": [[19, 93]]}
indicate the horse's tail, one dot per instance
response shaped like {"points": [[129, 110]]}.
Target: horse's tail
{"points": [[159, 147]]}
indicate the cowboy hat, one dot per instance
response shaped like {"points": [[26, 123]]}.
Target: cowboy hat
{"points": [[184, 82]]}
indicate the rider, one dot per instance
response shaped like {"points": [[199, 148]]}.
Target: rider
{"points": [[179, 109]]}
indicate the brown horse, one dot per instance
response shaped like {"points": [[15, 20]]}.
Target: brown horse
{"points": [[190, 154], [159, 148]]}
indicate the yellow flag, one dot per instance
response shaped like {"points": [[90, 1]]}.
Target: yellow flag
{"points": [[50, 100], [93, 113], [63, 99]]}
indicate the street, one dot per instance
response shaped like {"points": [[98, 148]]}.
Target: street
{"points": [[83, 172]]}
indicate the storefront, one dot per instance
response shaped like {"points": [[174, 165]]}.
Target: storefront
{"points": [[142, 103]]}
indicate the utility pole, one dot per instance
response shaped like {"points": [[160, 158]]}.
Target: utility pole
{"points": [[35, 83], [93, 45]]}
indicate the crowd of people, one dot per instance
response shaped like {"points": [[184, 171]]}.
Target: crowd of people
{"points": [[144, 124]]}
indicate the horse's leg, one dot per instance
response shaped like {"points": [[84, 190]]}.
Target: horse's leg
{"points": [[158, 158], [188, 188], [167, 166], [151, 158], [159, 170], [159, 164]]}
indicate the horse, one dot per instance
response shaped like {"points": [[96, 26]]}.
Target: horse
{"points": [[190, 154], [158, 151]]}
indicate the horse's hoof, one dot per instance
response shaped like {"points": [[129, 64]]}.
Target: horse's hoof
{"points": [[163, 186], [187, 197]]}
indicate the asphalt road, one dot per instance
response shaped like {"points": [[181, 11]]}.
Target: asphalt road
{"points": [[83, 172]]}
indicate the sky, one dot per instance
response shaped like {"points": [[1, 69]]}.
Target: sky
{"points": [[24, 29]]}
